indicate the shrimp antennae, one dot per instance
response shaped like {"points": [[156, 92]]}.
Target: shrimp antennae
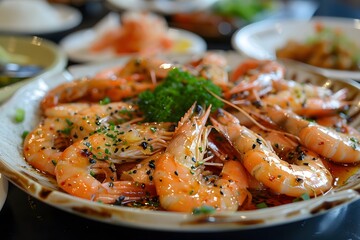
{"points": [[251, 118]]}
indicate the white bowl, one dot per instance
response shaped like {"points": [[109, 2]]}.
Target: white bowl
{"points": [[260, 40], [36, 17], [37, 51]]}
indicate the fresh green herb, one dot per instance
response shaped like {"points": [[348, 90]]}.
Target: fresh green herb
{"points": [[244, 9], [66, 131], [203, 210], [105, 101], [172, 98], [303, 197], [261, 205], [355, 142], [19, 115], [24, 134]]}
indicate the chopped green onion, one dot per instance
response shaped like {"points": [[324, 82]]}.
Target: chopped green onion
{"points": [[105, 101], [24, 134], [19, 115], [303, 197], [261, 205], [204, 210]]}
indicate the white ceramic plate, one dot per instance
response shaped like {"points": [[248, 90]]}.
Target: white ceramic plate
{"points": [[76, 45], [260, 40], [3, 190], [69, 17], [16, 169], [36, 51], [162, 6]]}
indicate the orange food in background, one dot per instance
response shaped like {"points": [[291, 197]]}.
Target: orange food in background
{"points": [[328, 48], [143, 33]]}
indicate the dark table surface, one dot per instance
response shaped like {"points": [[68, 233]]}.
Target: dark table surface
{"points": [[23, 217]]}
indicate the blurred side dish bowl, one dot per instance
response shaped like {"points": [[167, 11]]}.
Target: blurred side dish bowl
{"points": [[222, 18], [26, 50], [36, 17], [327, 45], [131, 32]]}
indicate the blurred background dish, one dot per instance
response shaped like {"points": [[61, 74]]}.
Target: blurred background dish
{"points": [[223, 18], [161, 6], [137, 33], [338, 40], [36, 17], [28, 50]]}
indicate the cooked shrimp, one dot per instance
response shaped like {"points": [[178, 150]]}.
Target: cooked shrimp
{"points": [[308, 103], [94, 90], [213, 66], [260, 160], [67, 110], [45, 143], [140, 32], [288, 149], [115, 145], [143, 171], [336, 146], [339, 123], [255, 77], [139, 68], [67, 123], [75, 175], [178, 173], [94, 117]]}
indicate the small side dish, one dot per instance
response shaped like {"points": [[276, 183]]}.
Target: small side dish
{"points": [[7, 57], [139, 32], [132, 32], [36, 17], [33, 51], [329, 47]]}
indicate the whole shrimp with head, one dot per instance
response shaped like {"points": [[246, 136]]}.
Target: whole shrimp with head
{"points": [[67, 123], [117, 144], [116, 84], [292, 179], [335, 146], [179, 173]]}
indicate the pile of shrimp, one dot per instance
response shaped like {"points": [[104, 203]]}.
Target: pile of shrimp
{"points": [[139, 32], [275, 141]]}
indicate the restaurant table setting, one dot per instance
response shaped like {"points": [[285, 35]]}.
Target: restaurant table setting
{"points": [[83, 39]]}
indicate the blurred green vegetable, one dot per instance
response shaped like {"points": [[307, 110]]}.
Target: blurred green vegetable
{"points": [[5, 80], [19, 115], [245, 9]]}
